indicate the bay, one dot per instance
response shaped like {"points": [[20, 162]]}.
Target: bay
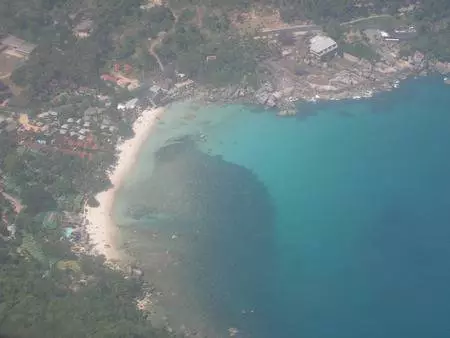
{"points": [[335, 223]]}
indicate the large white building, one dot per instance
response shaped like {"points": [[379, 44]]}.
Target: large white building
{"points": [[321, 46]]}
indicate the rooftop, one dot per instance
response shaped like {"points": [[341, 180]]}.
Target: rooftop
{"points": [[18, 44], [131, 104], [84, 25], [90, 111], [320, 43], [155, 89]]}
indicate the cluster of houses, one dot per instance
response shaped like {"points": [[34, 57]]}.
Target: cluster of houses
{"points": [[71, 222], [154, 97], [92, 120], [79, 135], [321, 46], [89, 122], [120, 81], [78, 130]]}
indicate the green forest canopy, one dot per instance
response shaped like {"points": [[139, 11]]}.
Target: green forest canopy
{"points": [[39, 301], [122, 31]]}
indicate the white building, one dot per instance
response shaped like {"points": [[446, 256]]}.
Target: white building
{"points": [[321, 45], [131, 104]]}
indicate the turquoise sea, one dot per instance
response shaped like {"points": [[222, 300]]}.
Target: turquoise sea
{"points": [[335, 223]]}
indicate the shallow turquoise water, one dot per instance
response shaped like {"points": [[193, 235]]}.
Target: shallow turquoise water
{"points": [[333, 224]]}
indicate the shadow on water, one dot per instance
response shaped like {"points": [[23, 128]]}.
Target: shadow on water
{"points": [[227, 212]]}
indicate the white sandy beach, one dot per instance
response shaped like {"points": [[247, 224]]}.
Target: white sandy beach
{"points": [[100, 226]]}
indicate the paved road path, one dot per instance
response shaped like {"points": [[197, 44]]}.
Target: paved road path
{"points": [[309, 28], [15, 202], [367, 18]]}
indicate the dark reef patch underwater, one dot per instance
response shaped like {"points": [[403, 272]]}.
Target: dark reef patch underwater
{"points": [[225, 214], [336, 225], [234, 221]]}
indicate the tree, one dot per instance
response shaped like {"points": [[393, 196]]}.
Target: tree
{"points": [[25, 222], [38, 199], [334, 30], [19, 76], [190, 62], [186, 15], [92, 202], [217, 23], [144, 61], [11, 163], [125, 130], [158, 19]]}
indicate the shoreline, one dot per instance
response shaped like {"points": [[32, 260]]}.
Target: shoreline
{"points": [[103, 234], [99, 225], [356, 83]]}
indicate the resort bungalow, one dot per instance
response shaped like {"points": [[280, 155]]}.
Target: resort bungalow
{"points": [[322, 46]]}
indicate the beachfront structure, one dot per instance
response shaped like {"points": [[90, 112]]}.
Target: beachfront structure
{"points": [[321, 46], [131, 104]]}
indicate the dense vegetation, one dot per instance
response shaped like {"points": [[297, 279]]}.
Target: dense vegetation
{"points": [[215, 54], [86, 300], [39, 297], [434, 29], [324, 10], [360, 50], [430, 16], [61, 61], [124, 33], [36, 298]]}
